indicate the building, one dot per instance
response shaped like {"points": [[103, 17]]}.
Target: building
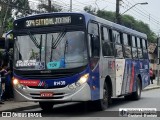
{"points": [[152, 52]]}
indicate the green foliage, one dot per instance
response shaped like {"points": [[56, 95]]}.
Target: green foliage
{"points": [[126, 20], [20, 8], [90, 10], [106, 15]]}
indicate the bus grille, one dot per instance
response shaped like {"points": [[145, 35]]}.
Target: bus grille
{"points": [[47, 76], [43, 87]]}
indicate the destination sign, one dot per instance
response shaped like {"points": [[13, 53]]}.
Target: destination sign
{"points": [[48, 21]]}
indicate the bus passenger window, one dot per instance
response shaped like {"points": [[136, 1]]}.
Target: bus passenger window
{"points": [[94, 39], [95, 45], [133, 41], [119, 51], [127, 48], [134, 49], [116, 37], [107, 46], [140, 54], [145, 53], [125, 39]]}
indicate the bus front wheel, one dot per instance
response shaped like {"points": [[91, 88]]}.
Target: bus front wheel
{"points": [[46, 106], [102, 104]]}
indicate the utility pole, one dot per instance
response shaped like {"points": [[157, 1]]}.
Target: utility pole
{"points": [[70, 5], [117, 11], [158, 60], [49, 5]]}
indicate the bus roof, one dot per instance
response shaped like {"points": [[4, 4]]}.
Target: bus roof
{"points": [[89, 17]]}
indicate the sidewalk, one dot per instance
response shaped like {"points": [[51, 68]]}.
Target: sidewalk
{"points": [[12, 106], [152, 86]]}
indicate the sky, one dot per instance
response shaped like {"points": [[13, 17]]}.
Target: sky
{"points": [[147, 13]]}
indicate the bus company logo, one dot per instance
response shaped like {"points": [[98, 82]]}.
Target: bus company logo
{"points": [[111, 64], [43, 84]]}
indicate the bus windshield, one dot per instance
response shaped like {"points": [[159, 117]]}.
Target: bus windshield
{"points": [[58, 50]]}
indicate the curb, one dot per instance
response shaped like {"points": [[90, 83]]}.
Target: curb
{"points": [[151, 88], [20, 109]]}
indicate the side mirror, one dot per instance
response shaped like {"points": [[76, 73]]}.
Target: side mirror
{"points": [[7, 40], [89, 45]]}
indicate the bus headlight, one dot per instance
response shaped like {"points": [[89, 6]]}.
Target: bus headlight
{"points": [[17, 84], [15, 81], [82, 80]]}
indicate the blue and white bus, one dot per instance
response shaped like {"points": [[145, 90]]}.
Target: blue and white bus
{"points": [[65, 57]]}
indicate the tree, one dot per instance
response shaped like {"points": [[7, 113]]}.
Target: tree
{"points": [[126, 20], [49, 6], [90, 10], [20, 8]]}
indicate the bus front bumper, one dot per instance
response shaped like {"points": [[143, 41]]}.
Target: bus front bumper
{"points": [[81, 93]]}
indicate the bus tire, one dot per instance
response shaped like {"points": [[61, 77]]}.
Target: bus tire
{"points": [[137, 94], [46, 106], [102, 104]]}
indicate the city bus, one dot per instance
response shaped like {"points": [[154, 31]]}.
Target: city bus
{"points": [[77, 57]]}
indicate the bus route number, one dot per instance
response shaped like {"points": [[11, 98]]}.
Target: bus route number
{"points": [[59, 83], [53, 65]]}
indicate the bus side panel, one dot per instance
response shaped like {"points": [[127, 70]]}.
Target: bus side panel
{"points": [[133, 68], [144, 72], [108, 69], [95, 83], [120, 66], [142, 69], [129, 79]]}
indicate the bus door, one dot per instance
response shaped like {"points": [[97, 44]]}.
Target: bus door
{"points": [[107, 59], [94, 51]]}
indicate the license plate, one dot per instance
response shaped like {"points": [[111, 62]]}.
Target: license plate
{"points": [[46, 94]]}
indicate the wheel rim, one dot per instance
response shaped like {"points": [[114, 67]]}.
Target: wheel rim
{"points": [[138, 90], [105, 96]]}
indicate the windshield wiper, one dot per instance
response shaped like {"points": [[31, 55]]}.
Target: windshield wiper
{"points": [[58, 40], [51, 48], [40, 47], [34, 40]]}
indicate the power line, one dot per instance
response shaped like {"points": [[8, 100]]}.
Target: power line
{"points": [[147, 16]]}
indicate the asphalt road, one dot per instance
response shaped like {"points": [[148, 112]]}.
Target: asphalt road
{"points": [[75, 111]]}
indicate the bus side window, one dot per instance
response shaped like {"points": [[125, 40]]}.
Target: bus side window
{"points": [[117, 37], [140, 55], [134, 48], [118, 44], [94, 39], [95, 46], [127, 45], [107, 46], [144, 45]]}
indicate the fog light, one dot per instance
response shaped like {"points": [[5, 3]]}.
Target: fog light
{"points": [[72, 86]]}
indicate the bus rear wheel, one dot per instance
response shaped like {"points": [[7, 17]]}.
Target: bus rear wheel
{"points": [[102, 104], [137, 94], [46, 106]]}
